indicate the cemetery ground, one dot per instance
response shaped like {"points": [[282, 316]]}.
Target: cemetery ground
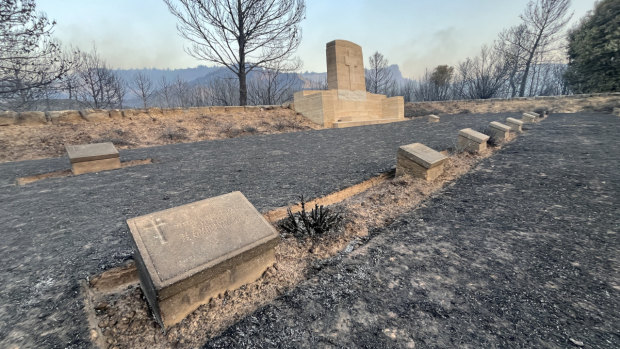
{"points": [[19, 142], [520, 251]]}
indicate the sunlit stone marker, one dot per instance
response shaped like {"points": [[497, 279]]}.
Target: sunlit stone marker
{"points": [[472, 141], [528, 118], [498, 131], [433, 118], [93, 157], [515, 125], [419, 161], [188, 254]]}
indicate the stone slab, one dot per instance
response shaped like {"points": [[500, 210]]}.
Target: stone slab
{"points": [[90, 152], [515, 125], [528, 118], [433, 118], [499, 126], [405, 165], [473, 135], [498, 131], [422, 155], [189, 254]]}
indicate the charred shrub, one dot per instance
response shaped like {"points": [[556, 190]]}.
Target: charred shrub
{"points": [[317, 222], [174, 134]]}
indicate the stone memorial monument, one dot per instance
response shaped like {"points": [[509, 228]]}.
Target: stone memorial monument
{"points": [[346, 102], [419, 161], [189, 254], [95, 157]]}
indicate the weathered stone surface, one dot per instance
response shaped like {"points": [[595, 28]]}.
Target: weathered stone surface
{"points": [[95, 115], [534, 113], [116, 114], [498, 131], [472, 141], [346, 100], [8, 118], [419, 161], [89, 152], [31, 118], [528, 118], [95, 166], [65, 116], [514, 124], [189, 254], [433, 118]]}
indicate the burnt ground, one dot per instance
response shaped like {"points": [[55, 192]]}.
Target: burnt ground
{"points": [[520, 252], [58, 232]]}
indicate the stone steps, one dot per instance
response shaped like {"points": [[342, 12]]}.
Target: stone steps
{"points": [[342, 124]]}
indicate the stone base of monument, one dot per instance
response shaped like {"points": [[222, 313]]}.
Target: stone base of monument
{"points": [[472, 141], [514, 124], [419, 161], [343, 124], [95, 157], [498, 131], [528, 118], [189, 254], [433, 118]]}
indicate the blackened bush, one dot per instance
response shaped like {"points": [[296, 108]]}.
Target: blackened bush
{"points": [[319, 221]]}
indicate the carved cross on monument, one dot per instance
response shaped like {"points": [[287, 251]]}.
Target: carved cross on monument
{"points": [[351, 63], [157, 225]]}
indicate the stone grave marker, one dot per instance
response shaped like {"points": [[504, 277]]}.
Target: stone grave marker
{"points": [[188, 254], [433, 118], [419, 161], [95, 157], [472, 141], [515, 125], [498, 131], [528, 118]]}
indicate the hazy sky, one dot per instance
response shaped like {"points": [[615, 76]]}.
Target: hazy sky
{"points": [[414, 34]]}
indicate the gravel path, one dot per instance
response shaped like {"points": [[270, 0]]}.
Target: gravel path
{"points": [[57, 232], [522, 252]]}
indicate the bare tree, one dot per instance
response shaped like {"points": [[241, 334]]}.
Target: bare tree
{"points": [[30, 58], [274, 85], [482, 77], [164, 95], [543, 21], [379, 78], [100, 86], [223, 91], [142, 86], [240, 35]]}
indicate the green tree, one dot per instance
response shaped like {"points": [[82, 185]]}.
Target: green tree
{"points": [[594, 50]]}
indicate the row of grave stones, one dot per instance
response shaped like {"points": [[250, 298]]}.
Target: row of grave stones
{"points": [[189, 254]]}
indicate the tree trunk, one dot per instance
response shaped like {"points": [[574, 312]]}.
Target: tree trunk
{"points": [[243, 88]]}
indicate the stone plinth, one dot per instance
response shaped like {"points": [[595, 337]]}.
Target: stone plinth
{"points": [[419, 161], [433, 118], [189, 254], [498, 131], [528, 118], [346, 103], [472, 141], [93, 157], [514, 124]]}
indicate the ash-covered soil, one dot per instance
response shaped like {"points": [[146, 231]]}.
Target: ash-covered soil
{"points": [[57, 232], [521, 252], [144, 130]]}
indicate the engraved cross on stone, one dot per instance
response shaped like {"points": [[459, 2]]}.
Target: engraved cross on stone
{"points": [[351, 63], [157, 225]]}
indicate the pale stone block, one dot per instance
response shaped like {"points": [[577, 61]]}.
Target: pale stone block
{"points": [[345, 66], [433, 118], [514, 124], [95, 115], [534, 113], [8, 118], [419, 161], [65, 116], [31, 118], [472, 141], [95, 157], [498, 131], [189, 254], [528, 118]]}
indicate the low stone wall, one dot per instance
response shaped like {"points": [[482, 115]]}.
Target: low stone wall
{"points": [[601, 102], [29, 118]]}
